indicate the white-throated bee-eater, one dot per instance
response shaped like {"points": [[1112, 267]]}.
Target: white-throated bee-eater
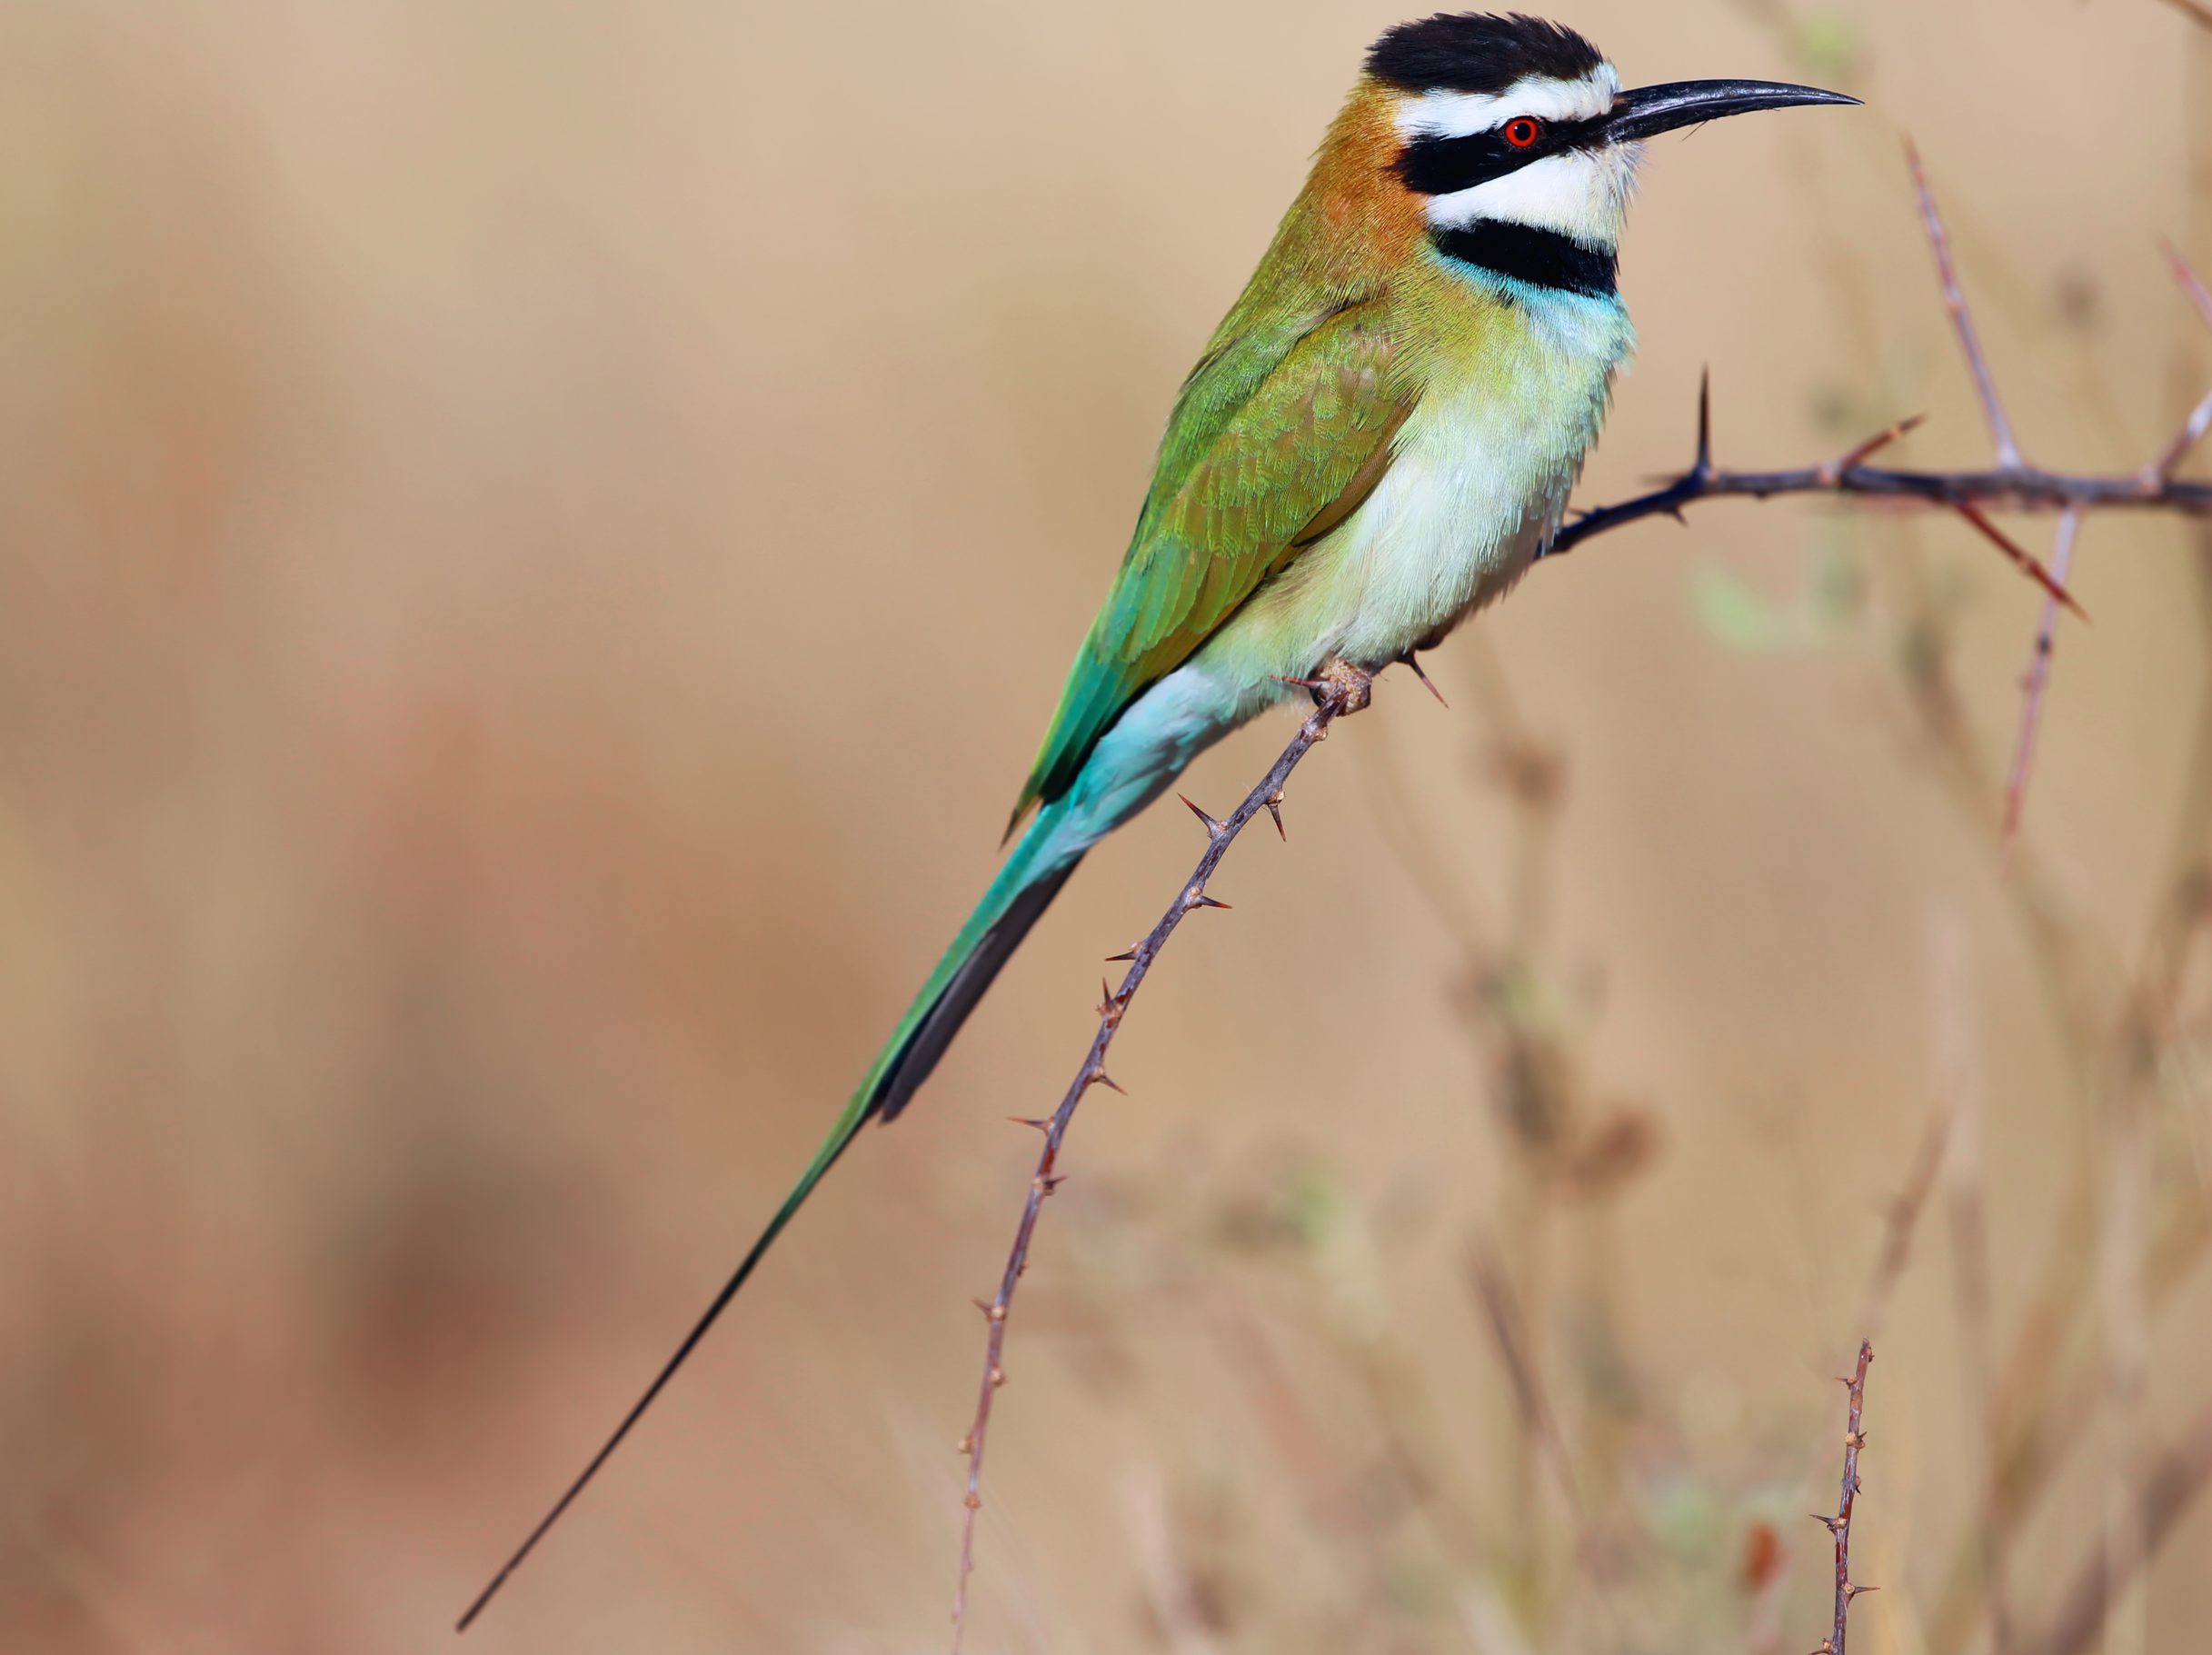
{"points": [[1377, 440]]}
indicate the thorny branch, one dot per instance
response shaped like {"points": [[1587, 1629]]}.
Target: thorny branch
{"points": [[2028, 488], [1339, 690], [2011, 485], [1839, 1525]]}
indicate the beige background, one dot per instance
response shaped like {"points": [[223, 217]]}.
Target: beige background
{"points": [[536, 543]]}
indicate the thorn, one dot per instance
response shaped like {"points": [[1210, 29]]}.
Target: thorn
{"points": [[991, 1312], [1101, 1078], [1195, 898], [1852, 459], [1852, 1589], [1675, 511], [1301, 684], [2190, 285], [998, 1377], [1039, 1122], [966, 1445], [1111, 1005], [1044, 1184], [1830, 1523], [1427, 683], [1274, 808], [1128, 953], [1214, 830], [2020, 560], [1705, 424]]}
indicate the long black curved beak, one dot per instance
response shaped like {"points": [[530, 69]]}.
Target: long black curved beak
{"points": [[1650, 110]]}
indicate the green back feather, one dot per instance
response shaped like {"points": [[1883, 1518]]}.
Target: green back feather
{"points": [[1286, 412]]}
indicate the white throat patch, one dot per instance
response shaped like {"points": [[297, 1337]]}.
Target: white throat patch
{"points": [[1583, 194]]}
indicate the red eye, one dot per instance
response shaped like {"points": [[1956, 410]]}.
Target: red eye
{"points": [[1522, 132]]}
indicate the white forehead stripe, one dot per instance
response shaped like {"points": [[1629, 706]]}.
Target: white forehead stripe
{"points": [[1453, 115]]}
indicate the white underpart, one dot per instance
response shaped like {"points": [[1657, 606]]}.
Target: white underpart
{"points": [[1479, 481], [1583, 193]]}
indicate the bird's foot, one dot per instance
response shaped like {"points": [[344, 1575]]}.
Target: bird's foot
{"points": [[1346, 684], [1350, 685]]}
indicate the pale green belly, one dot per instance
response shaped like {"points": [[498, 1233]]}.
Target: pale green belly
{"points": [[1479, 479]]}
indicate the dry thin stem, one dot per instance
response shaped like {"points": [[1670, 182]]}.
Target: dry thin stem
{"points": [[2038, 675], [1901, 1224], [1962, 319], [1839, 1525], [1959, 1064], [2193, 429], [2164, 1495], [2192, 433], [1507, 1331], [1339, 690], [2191, 283], [2046, 1394], [1904, 1215]]}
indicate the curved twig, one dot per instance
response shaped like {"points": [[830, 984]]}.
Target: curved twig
{"points": [[1839, 1525], [1335, 695]]}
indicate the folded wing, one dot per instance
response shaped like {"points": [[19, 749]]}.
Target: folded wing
{"points": [[1280, 432]]}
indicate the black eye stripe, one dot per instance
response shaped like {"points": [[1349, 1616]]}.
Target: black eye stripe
{"points": [[1436, 164]]}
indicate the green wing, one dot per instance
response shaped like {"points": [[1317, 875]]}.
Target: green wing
{"points": [[1280, 430]]}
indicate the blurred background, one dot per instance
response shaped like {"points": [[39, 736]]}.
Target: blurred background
{"points": [[536, 544]]}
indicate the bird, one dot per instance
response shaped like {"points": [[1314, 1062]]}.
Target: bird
{"points": [[1377, 440]]}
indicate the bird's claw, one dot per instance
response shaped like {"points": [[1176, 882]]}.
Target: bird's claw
{"points": [[1351, 687]]}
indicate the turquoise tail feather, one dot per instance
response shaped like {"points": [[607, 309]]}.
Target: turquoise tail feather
{"points": [[1025, 887]]}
